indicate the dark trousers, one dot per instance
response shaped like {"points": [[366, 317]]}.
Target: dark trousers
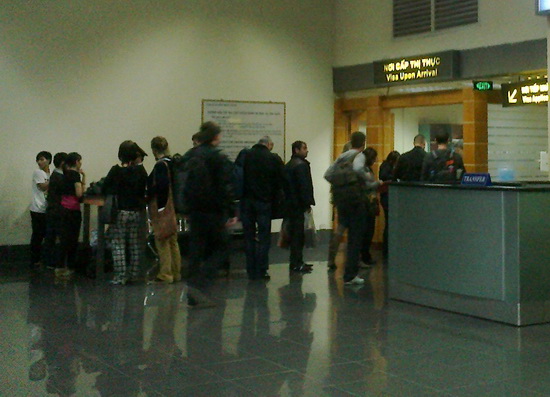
{"points": [[295, 219], [209, 242], [54, 228], [384, 201], [255, 212], [38, 222], [370, 223], [354, 217], [71, 221]]}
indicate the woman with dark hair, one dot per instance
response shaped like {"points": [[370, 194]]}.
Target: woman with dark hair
{"points": [[386, 174], [127, 182], [72, 190], [372, 191]]}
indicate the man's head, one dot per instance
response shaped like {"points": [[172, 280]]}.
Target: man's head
{"points": [[358, 140], [458, 146], [43, 159], [209, 133], [299, 148], [267, 142], [196, 139], [59, 159], [442, 138], [159, 146], [420, 141]]}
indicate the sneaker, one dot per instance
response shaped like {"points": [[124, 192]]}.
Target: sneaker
{"points": [[117, 282], [63, 272], [355, 281]]}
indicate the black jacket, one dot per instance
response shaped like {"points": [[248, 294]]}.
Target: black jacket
{"points": [[409, 165], [159, 181], [298, 185], [128, 183], [263, 174]]}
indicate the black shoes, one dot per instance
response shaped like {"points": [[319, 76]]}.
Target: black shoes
{"points": [[302, 268]]}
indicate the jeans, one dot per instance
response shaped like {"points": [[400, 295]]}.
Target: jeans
{"points": [[54, 228], [355, 219], [209, 242], [256, 212], [38, 222], [370, 223], [295, 219], [71, 221]]}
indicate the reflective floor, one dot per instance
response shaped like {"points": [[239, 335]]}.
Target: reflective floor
{"points": [[292, 336]]}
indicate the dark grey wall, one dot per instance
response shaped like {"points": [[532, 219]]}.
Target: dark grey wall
{"points": [[475, 63]]}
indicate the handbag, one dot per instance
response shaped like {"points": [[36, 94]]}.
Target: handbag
{"points": [[164, 222], [310, 232], [108, 212]]}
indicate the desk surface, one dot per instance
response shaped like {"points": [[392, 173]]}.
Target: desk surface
{"points": [[94, 200], [498, 186]]}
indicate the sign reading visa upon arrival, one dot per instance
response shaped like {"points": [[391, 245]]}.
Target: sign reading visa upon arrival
{"points": [[528, 92], [479, 179], [433, 67]]}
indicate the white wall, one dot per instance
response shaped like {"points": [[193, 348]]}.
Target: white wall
{"points": [[364, 30], [408, 119], [517, 135], [86, 75]]}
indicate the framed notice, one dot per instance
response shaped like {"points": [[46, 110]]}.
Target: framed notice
{"points": [[243, 123]]}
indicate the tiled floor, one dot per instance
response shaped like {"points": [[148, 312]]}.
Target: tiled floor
{"points": [[292, 336]]}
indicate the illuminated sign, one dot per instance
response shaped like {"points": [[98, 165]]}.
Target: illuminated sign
{"points": [[433, 67], [543, 7], [528, 92], [483, 85]]}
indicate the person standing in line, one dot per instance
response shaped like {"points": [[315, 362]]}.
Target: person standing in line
{"points": [[263, 175], [209, 205], [74, 184], [443, 164], [350, 199], [298, 188], [372, 206], [53, 212], [409, 164], [40, 183], [386, 174], [159, 195], [127, 182]]}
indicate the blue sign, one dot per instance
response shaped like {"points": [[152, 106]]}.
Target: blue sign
{"points": [[477, 180], [543, 7]]}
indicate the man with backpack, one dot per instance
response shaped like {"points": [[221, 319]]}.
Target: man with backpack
{"points": [[208, 202], [443, 165], [348, 179], [262, 180]]}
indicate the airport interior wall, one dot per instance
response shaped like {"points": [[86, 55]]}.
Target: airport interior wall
{"points": [[84, 76]]}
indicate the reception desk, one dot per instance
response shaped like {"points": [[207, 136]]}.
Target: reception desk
{"points": [[480, 251]]}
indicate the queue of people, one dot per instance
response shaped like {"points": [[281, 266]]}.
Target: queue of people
{"points": [[202, 186]]}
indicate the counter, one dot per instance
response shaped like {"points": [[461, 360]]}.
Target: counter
{"points": [[480, 251]]}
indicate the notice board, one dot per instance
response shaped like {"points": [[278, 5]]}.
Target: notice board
{"points": [[243, 123]]}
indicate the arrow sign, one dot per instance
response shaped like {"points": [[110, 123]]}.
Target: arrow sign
{"points": [[512, 96]]}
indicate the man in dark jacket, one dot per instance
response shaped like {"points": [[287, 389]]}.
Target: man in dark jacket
{"points": [[208, 196], [299, 199], [409, 165], [263, 177]]}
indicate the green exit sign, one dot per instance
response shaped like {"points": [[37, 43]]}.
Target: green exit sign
{"points": [[483, 85]]}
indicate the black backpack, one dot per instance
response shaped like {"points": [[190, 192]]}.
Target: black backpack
{"points": [[199, 188], [179, 177], [346, 186], [444, 167]]}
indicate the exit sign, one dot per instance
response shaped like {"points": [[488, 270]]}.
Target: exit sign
{"points": [[483, 85]]}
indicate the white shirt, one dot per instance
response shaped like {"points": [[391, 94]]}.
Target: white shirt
{"points": [[38, 203]]}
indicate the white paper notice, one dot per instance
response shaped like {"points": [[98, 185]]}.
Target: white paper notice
{"points": [[244, 123]]}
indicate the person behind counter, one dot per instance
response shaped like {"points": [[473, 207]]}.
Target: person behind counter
{"points": [[442, 165]]}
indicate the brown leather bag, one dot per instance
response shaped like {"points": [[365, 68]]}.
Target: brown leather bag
{"points": [[164, 222]]}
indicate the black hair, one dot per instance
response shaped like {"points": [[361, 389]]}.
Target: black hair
{"points": [[392, 158], [46, 155], [208, 132], [442, 137], [159, 144], [297, 146], [358, 140], [127, 151], [72, 158], [59, 159], [370, 154]]}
